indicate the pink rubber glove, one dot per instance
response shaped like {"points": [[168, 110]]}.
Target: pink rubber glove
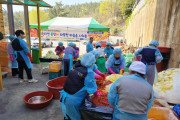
{"points": [[98, 77], [96, 93], [57, 51], [122, 67], [111, 71], [99, 73], [11, 57]]}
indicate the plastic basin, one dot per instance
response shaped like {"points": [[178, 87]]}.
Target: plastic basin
{"points": [[56, 85], [48, 97], [164, 49]]}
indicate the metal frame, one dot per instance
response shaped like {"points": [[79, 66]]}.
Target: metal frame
{"points": [[21, 3]]}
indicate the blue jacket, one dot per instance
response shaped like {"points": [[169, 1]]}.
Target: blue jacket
{"points": [[89, 47]]}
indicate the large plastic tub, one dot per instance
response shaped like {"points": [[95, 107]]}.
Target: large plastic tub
{"points": [[164, 49], [161, 113], [56, 85], [47, 95]]}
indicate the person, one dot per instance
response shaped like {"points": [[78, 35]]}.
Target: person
{"points": [[60, 50], [12, 61], [89, 46], [98, 75], [79, 83], [100, 62], [23, 55], [68, 59], [116, 62], [150, 56], [77, 51], [131, 96], [108, 50]]}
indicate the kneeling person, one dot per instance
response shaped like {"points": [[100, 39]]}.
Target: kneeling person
{"points": [[79, 83]]}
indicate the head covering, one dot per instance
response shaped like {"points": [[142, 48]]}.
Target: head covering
{"points": [[154, 43], [70, 44], [108, 44], [74, 45], [95, 53], [139, 67], [12, 37], [88, 59], [117, 51], [98, 44], [60, 43]]}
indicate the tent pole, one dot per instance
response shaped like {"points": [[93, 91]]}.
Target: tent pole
{"points": [[39, 32]]}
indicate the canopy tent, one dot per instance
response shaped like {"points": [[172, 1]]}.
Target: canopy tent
{"points": [[65, 23]]}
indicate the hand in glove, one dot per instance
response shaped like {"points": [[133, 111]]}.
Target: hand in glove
{"points": [[98, 77], [111, 71], [11, 57], [29, 55]]}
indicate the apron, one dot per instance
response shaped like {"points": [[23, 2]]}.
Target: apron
{"points": [[25, 57], [100, 62], [70, 104], [71, 62], [151, 74], [120, 115], [116, 66]]}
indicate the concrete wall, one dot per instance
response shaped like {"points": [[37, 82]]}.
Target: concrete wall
{"points": [[140, 29], [167, 28], [159, 20]]}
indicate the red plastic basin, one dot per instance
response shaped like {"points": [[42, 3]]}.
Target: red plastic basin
{"points": [[56, 85], [164, 49], [43, 104]]}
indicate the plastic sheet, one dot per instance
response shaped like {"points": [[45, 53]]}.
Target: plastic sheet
{"points": [[89, 111]]}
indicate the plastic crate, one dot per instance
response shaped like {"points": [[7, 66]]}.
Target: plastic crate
{"points": [[53, 75]]}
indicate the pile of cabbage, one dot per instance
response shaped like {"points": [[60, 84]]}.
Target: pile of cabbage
{"points": [[165, 80], [51, 55], [168, 86]]}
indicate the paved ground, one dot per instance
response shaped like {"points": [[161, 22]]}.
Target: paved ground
{"points": [[12, 106]]}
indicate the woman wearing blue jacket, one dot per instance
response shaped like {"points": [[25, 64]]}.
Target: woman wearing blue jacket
{"points": [[80, 82], [116, 62], [131, 96], [150, 56], [108, 50]]}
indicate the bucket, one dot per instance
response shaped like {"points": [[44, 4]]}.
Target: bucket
{"points": [[56, 85]]}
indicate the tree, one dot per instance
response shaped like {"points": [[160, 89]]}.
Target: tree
{"points": [[33, 16], [57, 11], [126, 7], [19, 20]]}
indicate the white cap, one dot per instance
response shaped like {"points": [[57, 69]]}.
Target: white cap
{"points": [[139, 67]]}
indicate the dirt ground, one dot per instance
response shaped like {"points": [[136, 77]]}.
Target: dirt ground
{"points": [[12, 106]]}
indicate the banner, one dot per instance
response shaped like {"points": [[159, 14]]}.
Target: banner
{"points": [[69, 35]]}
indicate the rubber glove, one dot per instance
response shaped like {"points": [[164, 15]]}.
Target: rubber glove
{"points": [[57, 51], [98, 77], [111, 71], [11, 57], [99, 73], [96, 93], [29, 55]]}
